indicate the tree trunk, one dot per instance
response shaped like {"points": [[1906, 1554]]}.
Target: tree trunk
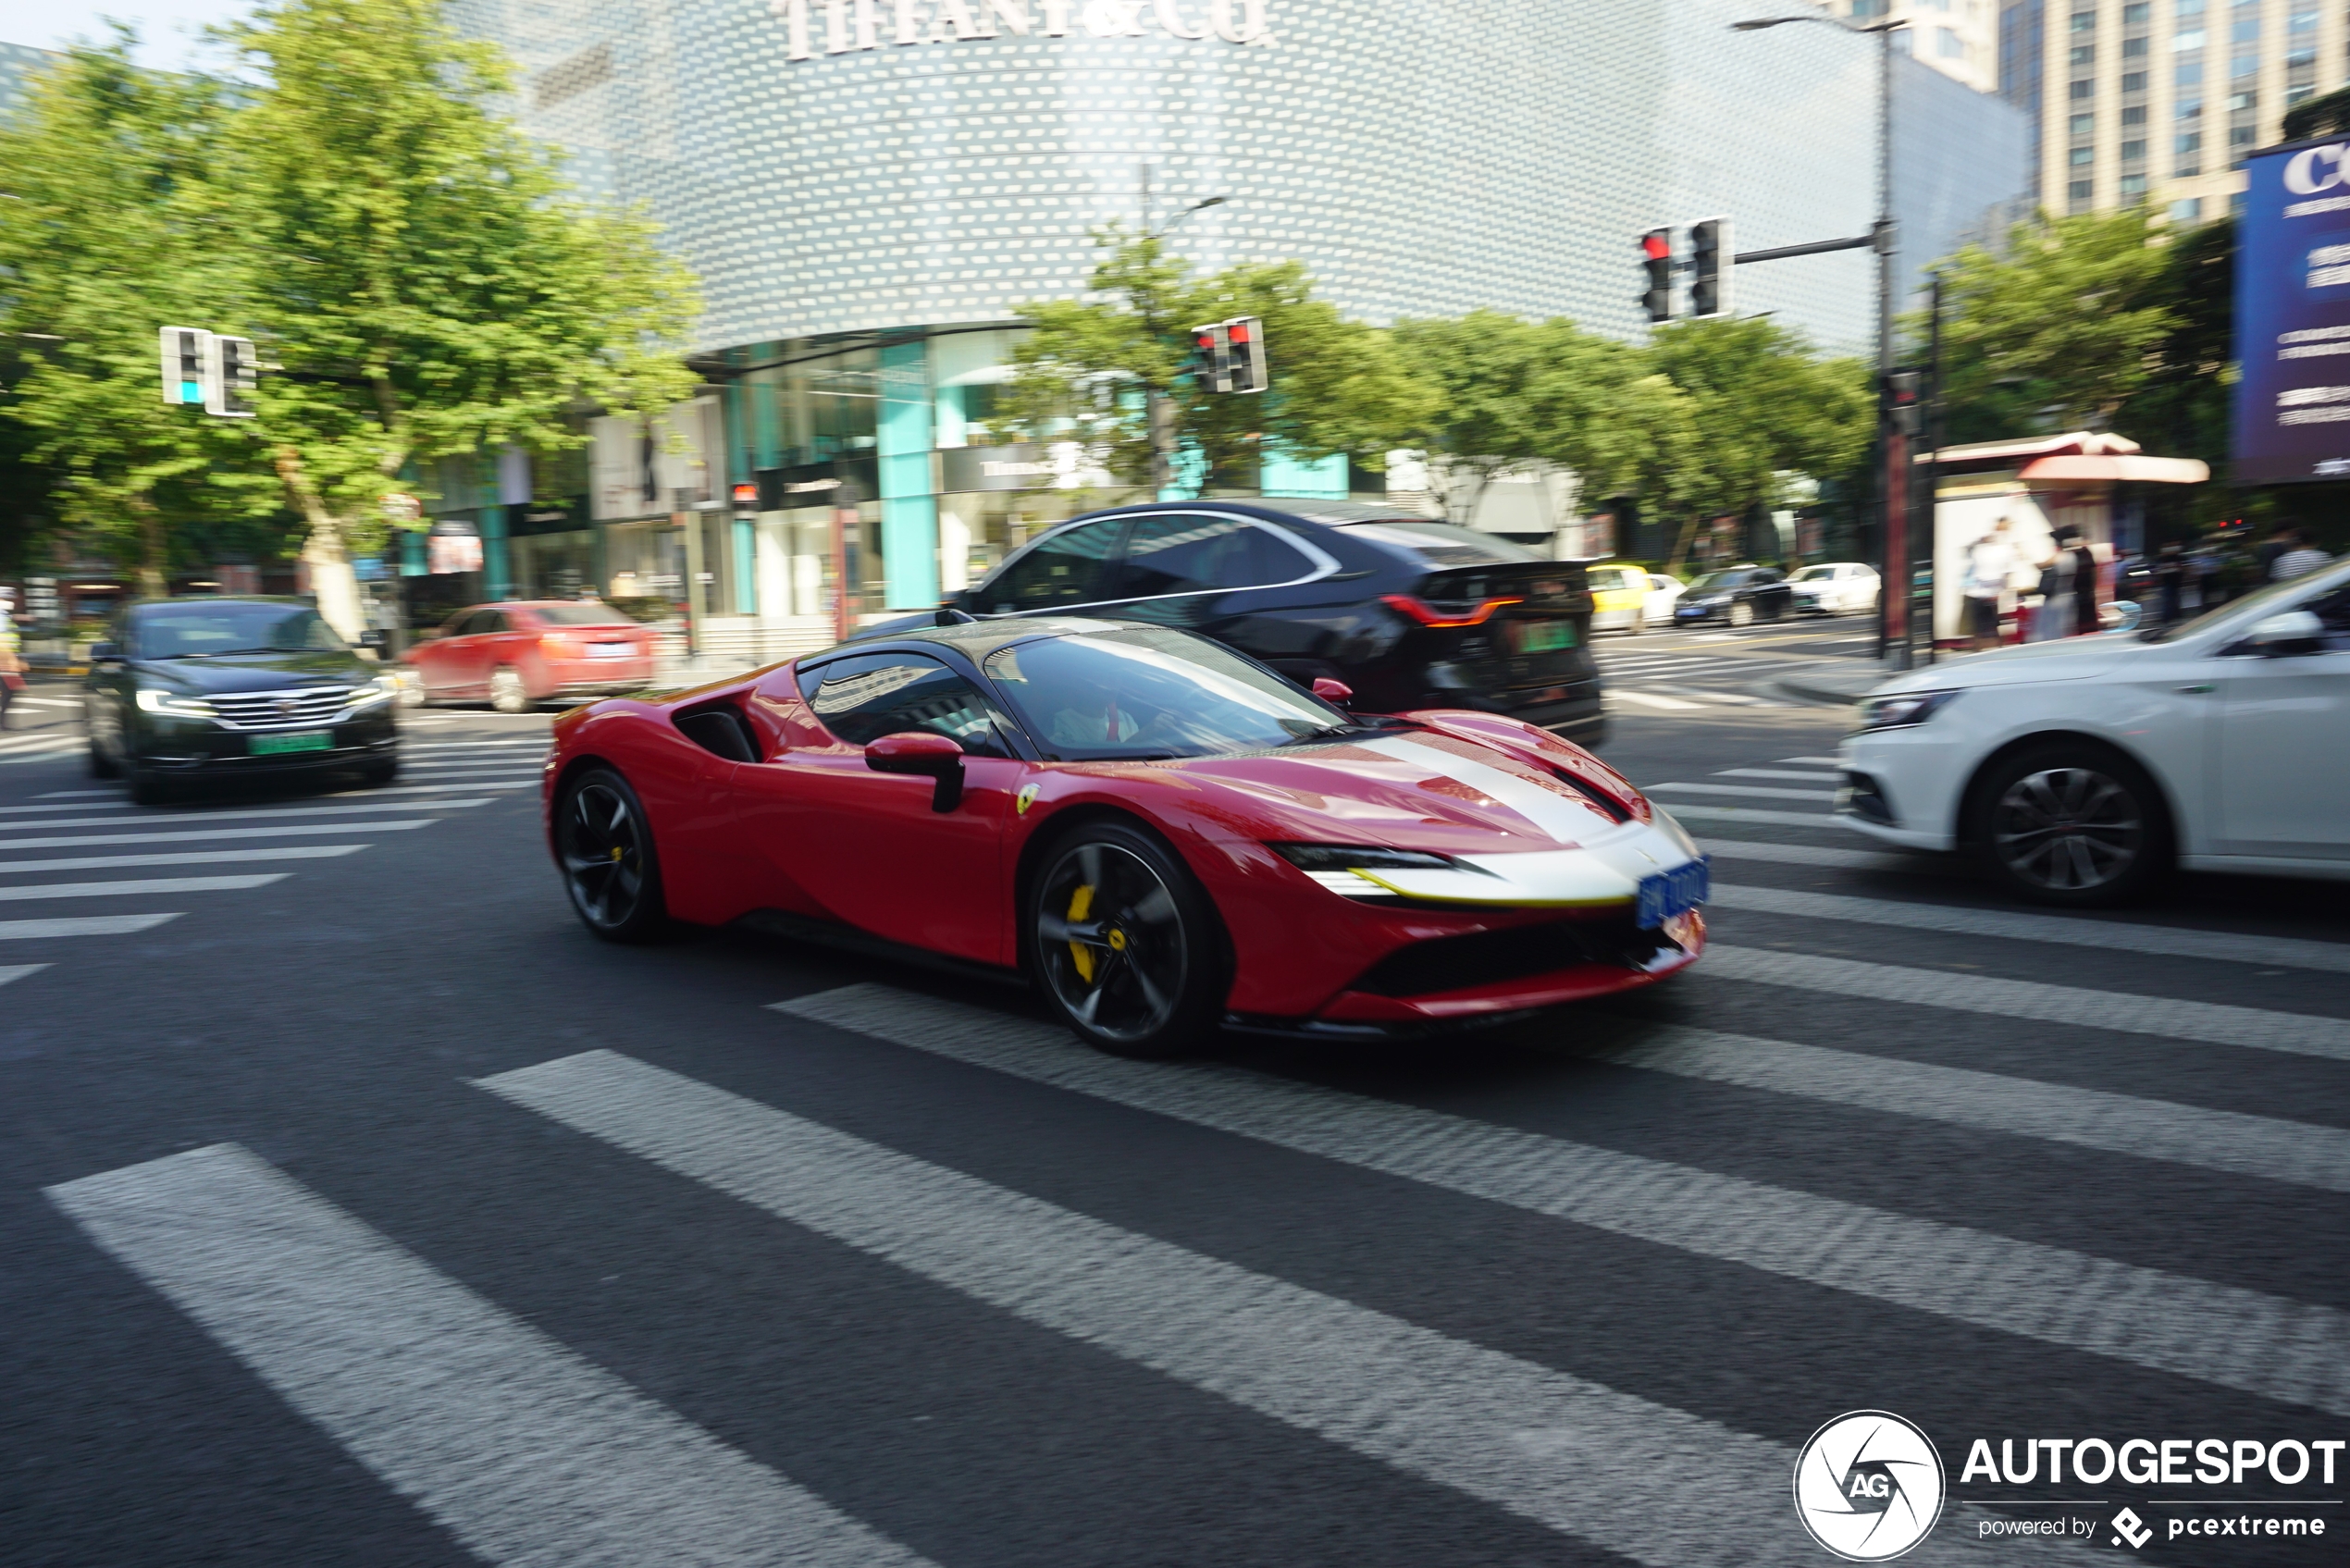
{"points": [[1681, 547], [332, 580], [155, 555]]}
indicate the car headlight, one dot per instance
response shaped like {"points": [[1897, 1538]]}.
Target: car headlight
{"points": [[157, 700], [1902, 708], [382, 690], [1348, 857]]}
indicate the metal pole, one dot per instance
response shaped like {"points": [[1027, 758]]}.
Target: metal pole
{"points": [[1934, 437], [1893, 602]]}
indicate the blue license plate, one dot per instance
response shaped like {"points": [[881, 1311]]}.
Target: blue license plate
{"points": [[1671, 892]]}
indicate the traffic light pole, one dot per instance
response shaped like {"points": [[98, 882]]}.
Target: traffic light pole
{"points": [[1893, 537]]}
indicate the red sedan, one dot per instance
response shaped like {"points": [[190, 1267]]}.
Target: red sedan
{"points": [[524, 652], [1163, 837]]}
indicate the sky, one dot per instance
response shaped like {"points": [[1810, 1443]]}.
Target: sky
{"points": [[166, 27]]}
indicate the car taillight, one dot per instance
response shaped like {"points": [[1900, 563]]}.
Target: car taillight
{"points": [[558, 648], [1426, 615]]}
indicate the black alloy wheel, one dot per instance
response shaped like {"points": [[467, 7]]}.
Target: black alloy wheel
{"points": [[606, 849], [1124, 944], [2073, 826]]}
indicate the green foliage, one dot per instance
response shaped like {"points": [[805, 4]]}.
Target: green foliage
{"points": [[106, 238], [1337, 385], [2060, 329], [1764, 406], [2326, 114]]}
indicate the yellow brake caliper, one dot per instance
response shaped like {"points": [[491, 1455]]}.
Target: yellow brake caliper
{"points": [[1079, 954]]}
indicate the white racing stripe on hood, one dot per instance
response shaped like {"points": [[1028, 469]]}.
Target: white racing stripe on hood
{"points": [[1567, 820]]}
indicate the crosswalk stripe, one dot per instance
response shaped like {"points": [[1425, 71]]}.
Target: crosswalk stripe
{"points": [[436, 788], [1739, 698], [245, 814], [1778, 774], [1649, 698], [1651, 1482], [12, 972], [526, 1451], [205, 836], [84, 805], [2284, 951], [75, 794], [2222, 1334], [2294, 1152], [1822, 855], [1750, 792], [1755, 814], [2210, 1022], [537, 743], [141, 885], [185, 858], [1816, 761], [81, 925]]}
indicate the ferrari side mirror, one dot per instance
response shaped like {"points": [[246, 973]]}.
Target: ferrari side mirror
{"points": [[1336, 693], [924, 752]]}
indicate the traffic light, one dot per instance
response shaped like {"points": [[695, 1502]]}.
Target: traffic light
{"points": [[231, 375], [1229, 356], [1656, 269], [1244, 348], [1710, 268], [1902, 407], [184, 349]]}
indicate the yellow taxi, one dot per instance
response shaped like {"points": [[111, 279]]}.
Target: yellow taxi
{"points": [[1619, 597]]}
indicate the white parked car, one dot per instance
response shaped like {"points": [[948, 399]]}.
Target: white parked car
{"points": [[1665, 596], [1837, 588], [2081, 770]]}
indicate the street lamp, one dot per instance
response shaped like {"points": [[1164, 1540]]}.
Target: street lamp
{"points": [[1159, 410], [1893, 545]]}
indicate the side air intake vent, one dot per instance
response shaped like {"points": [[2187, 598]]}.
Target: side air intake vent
{"points": [[722, 731]]}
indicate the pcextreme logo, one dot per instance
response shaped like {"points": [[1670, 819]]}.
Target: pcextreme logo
{"points": [[1868, 1485]]}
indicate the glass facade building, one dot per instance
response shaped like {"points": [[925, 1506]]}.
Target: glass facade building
{"points": [[871, 189]]}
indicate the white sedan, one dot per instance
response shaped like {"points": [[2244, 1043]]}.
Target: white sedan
{"points": [[1665, 594], [1835, 587], [2081, 770]]}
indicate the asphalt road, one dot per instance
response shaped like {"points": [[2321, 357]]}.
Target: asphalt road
{"points": [[356, 1207]]}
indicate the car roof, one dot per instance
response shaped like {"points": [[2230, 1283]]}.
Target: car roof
{"points": [[1329, 514], [977, 640]]}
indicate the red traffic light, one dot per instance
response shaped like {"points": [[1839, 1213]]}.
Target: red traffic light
{"points": [[1656, 245], [1240, 332]]}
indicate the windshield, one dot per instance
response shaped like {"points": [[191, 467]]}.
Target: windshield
{"points": [[191, 631], [1813, 575], [1444, 544], [2234, 607], [1713, 581], [580, 615], [1140, 692]]}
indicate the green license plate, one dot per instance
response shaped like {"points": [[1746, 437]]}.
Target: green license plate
{"points": [[1543, 637], [301, 740]]}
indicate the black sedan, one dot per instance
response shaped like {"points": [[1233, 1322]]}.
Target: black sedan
{"points": [[193, 688], [1737, 595], [1408, 612]]}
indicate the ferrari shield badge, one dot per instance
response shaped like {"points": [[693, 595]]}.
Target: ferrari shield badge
{"points": [[1024, 799]]}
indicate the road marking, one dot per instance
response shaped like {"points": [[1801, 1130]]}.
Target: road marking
{"points": [[186, 857], [108, 806], [2120, 936], [1778, 774], [527, 1452], [1572, 1454], [1821, 855], [433, 788], [205, 836], [2294, 1152], [48, 702], [75, 794], [246, 813], [1739, 698], [474, 745], [2219, 1334], [2210, 1022], [9, 973], [1649, 698], [81, 925], [138, 885], [1817, 762], [1755, 792], [1754, 814]]}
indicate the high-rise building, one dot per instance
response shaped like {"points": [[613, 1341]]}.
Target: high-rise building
{"points": [[2158, 101], [1959, 38]]}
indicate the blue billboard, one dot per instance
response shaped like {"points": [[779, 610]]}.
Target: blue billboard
{"points": [[2293, 315]]}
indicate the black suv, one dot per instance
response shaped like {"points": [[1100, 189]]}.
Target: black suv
{"points": [[1408, 612], [218, 688]]}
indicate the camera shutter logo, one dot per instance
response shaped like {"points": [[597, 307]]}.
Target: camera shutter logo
{"points": [[1868, 1486]]}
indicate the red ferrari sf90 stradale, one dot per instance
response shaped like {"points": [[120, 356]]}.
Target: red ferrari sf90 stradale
{"points": [[1163, 837]]}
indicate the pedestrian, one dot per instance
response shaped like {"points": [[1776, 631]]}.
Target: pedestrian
{"points": [[1990, 562], [2300, 560], [11, 658], [2275, 545], [2085, 576]]}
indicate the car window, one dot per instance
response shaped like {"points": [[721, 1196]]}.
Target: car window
{"points": [[1765, 575], [1445, 543], [1188, 552], [182, 630], [1716, 582], [1661, 583], [1139, 692], [1061, 569], [1816, 574], [862, 698], [582, 614], [493, 621]]}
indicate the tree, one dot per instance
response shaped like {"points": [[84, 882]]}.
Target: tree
{"points": [[109, 234], [1083, 373], [2059, 329]]}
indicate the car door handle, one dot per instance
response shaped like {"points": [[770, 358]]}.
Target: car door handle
{"points": [[2198, 688]]}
